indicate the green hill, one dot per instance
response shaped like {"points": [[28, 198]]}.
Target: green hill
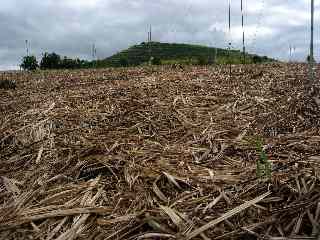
{"points": [[176, 53]]}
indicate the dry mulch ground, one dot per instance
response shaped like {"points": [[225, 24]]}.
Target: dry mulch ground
{"points": [[159, 153]]}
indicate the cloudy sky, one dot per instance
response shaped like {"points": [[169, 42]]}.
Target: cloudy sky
{"points": [[70, 27]]}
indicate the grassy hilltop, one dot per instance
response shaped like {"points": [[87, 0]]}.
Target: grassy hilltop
{"points": [[176, 53]]}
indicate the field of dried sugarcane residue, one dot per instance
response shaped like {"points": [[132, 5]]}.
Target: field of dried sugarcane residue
{"points": [[159, 153]]}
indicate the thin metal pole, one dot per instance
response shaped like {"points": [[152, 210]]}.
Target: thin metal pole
{"points": [[229, 17], [93, 54], [229, 48], [290, 53], [243, 31], [150, 33], [150, 40], [27, 48], [311, 60]]}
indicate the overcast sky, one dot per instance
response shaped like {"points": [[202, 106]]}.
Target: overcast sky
{"points": [[70, 27]]}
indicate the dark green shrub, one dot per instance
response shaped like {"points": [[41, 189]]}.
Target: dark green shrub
{"points": [[50, 61], [84, 63], [202, 60], [156, 61], [211, 60], [123, 62], [68, 63], [309, 59], [29, 63], [257, 59]]}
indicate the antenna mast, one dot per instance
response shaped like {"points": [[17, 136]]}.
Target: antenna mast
{"points": [[150, 33], [149, 43], [229, 47], [27, 48], [243, 30], [290, 53], [94, 55], [311, 56], [93, 48]]}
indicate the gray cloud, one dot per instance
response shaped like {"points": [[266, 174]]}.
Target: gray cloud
{"points": [[71, 27]]}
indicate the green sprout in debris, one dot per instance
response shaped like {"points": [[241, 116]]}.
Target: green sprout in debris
{"points": [[263, 164]]}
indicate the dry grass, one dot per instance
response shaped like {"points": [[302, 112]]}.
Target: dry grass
{"points": [[158, 153]]}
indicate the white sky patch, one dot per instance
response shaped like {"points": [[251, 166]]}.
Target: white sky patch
{"points": [[254, 7], [218, 26], [251, 32], [82, 3], [287, 16]]}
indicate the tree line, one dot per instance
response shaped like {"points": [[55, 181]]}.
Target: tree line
{"points": [[54, 61]]}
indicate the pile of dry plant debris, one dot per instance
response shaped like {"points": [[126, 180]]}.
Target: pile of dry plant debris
{"points": [[159, 153]]}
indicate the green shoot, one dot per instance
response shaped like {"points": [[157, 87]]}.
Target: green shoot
{"points": [[264, 168]]}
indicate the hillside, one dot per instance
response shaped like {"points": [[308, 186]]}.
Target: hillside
{"points": [[176, 52]]}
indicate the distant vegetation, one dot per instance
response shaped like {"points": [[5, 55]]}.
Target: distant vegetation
{"points": [[154, 53], [54, 61], [29, 63], [169, 53]]}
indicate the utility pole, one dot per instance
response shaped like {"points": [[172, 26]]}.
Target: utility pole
{"points": [[27, 48], [150, 33], [94, 54], [229, 47], [311, 56], [290, 53], [92, 51], [149, 44], [215, 55], [243, 39]]}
